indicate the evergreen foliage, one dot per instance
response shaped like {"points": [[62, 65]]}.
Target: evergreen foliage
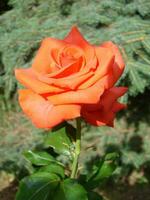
{"points": [[23, 24]]}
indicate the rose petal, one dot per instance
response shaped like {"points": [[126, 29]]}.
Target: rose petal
{"points": [[91, 66], [44, 62], [68, 70], [105, 64], [28, 78], [90, 95], [67, 82], [110, 96], [119, 63], [118, 106], [76, 38], [103, 113], [69, 54], [99, 118], [42, 113]]}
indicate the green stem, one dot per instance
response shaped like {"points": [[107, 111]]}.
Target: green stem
{"points": [[77, 149]]}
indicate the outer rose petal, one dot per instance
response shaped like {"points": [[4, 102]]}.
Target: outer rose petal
{"points": [[105, 64], [42, 113], [43, 61], [110, 96], [118, 106], [103, 113], [119, 63], [103, 118], [114, 48], [99, 118], [28, 78], [90, 95], [76, 38]]}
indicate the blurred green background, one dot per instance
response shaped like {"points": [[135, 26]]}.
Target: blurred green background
{"points": [[23, 24]]}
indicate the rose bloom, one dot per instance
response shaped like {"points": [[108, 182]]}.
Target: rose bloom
{"points": [[70, 78]]}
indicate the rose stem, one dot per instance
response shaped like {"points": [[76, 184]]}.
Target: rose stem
{"points": [[77, 149]]}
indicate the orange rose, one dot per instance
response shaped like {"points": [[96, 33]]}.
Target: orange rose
{"points": [[71, 78]]}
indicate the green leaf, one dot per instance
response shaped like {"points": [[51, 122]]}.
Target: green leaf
{"points": [[39, 186], [94, 196], [112, 156], [61, 139], [54, 169], [39, 158], [69, 189], [102, 170], [108, 167]]}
